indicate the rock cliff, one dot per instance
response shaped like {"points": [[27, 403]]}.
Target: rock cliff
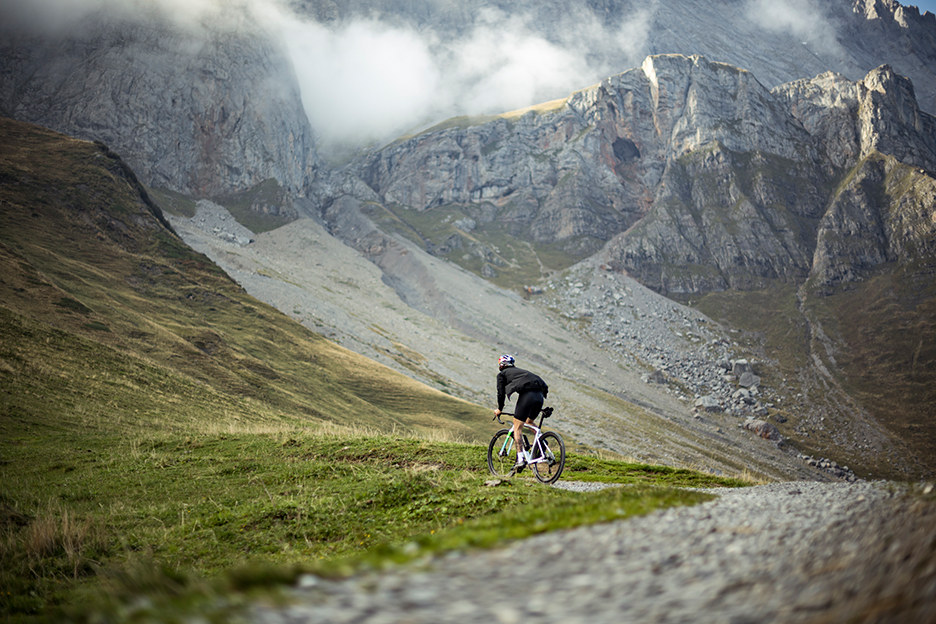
{"points": [[692, 175], [203, 111]]}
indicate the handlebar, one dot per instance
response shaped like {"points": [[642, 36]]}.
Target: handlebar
{"points": [[497, 417]]}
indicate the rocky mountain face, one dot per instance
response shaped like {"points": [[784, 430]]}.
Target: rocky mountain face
{"points": [[201, 111], [696, 176]]}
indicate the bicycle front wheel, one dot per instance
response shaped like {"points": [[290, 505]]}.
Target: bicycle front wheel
{"points": [[501, 455], [554, 451]]}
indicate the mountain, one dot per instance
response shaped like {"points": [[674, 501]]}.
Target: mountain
{"points": [[695, 176], [199, 110], [107, 314], [210, 102]]}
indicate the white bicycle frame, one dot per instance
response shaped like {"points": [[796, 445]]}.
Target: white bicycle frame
{"points": [[509, 441]]}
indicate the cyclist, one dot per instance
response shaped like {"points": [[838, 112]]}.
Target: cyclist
{"points": [[531, 393]]}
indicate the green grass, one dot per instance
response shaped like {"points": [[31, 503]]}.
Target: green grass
{"points": [[262, 208], [173, 202], [108, 518], [885, 332]]}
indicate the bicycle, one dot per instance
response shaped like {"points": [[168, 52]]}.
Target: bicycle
{"points": [[547, 451]]}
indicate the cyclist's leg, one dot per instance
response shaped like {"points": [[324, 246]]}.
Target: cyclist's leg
{"points": [[517, 426], [518, 438], [528, 406]]}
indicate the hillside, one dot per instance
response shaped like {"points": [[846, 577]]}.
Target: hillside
{"points": [[107, 313]]}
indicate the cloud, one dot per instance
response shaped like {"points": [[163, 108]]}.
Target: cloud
{"points": [[803, 19], [362, 80], [368, 80]]}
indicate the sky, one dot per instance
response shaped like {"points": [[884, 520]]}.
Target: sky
{"points": [[924, 5]]}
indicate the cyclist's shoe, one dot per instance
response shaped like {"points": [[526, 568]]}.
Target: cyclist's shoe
{"points": [[521, 462]]}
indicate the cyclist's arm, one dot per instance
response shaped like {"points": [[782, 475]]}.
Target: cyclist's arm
{"points": [[501, 393]]}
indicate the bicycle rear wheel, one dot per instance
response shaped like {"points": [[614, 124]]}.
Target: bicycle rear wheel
{"points": [[554, 450], [502, 454]]}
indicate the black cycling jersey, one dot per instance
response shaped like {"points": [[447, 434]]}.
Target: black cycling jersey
{"points": [[512, 379]]}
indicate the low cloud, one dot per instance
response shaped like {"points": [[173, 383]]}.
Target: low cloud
{"points": [[371, 81], [362, 80], [802, 19]]}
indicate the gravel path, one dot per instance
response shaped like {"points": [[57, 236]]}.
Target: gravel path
{"points": [[785, 552]]}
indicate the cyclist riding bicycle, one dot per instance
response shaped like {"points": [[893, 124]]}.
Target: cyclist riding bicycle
{"points": [[531, 393]]}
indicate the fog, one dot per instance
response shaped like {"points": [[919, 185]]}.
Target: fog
{"points": [[368, 80], [804, 20]]}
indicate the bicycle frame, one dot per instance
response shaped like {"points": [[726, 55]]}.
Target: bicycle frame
{"points": [[537, 435]]}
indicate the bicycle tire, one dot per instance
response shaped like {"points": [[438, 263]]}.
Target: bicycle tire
{"points": [[554, 448], [502, 465]]}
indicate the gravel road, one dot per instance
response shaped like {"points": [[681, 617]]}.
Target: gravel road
{"points": [[785, 552]]}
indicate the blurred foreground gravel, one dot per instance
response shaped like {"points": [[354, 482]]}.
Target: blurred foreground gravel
{"points": [[785, 552]]}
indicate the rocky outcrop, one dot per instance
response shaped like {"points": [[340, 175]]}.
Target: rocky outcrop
{"points": [[206, 112], [881, 214], [692, 174], [851, 120]]}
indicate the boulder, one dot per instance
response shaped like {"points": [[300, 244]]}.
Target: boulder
{"points": [[739, 367], [764, 429], [748, 380], [708, 403]]}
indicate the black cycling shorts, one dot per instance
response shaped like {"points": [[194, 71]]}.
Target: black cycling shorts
{"points": [[529, 405]]}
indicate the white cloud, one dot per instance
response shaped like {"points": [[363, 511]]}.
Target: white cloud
{"points": [[502, 64], [362, 80], [803, 19], [368, 80]]}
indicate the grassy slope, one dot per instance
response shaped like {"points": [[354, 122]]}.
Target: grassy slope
{"points": [[884, 329], [517, 263], [158, 426], [884, 326], [117, 283]]}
